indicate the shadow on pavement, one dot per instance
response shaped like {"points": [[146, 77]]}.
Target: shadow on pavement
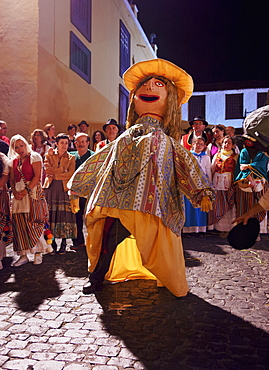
{"points": [[208, 243], [34, 284], [167, 333]]}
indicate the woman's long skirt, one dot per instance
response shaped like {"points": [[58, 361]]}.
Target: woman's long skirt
{"points": [[62, 220], [195, 219]]}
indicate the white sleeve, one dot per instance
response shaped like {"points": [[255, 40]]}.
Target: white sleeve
{"points": [[35, 157]]}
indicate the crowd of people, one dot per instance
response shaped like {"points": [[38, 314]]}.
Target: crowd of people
{"points": [[34, 199], [41, 167], [142, 185], [237, 170]]}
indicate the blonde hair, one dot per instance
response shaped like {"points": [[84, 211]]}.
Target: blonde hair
{"points": [[11, 152], [172, 116]]}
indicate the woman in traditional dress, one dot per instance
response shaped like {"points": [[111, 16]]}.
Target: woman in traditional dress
{"points": [[213, 148], [250, 180], [50, 131], [135, 184], [59, 167], [39, 144], [72, 129], [196, 220], [5, 219], [96, 138], [223, 166], [25, 182]]}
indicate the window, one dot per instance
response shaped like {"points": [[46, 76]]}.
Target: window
{"points": [[124, 48], [196, 106], [261, 99], [123, 106], [233, 106], [80, 58], [81, 16]]}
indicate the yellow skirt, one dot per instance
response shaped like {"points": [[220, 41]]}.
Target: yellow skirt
{"points": [[156, 251]]}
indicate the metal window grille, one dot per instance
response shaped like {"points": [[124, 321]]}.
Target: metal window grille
{"points": [[80, 58], [233, 106], [124, 48], [81, 16], [196, 106]]}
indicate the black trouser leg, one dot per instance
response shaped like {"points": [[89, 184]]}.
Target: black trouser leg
{"points": [[116, 234], [80, 222]]}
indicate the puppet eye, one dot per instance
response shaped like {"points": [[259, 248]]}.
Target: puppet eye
{"points": [[159, 83]]}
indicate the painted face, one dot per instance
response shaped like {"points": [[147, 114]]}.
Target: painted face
{"points": [[98, 136], [20, 148], [112, 132], [62, 145], [198, 146], [151, 97], [227, 144]]}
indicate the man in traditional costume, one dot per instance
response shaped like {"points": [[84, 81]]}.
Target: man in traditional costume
{"points": [[198, 125], [135, 184]]}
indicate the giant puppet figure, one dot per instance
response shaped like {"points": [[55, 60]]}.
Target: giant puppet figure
{"points": [[256, 139], [135, 185]]}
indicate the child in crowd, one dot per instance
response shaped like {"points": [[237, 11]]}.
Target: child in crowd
{"points": [[196, 220]]}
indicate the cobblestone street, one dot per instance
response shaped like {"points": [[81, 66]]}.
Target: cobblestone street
{"points": [[47, 323]]}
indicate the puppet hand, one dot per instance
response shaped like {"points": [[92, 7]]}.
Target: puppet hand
{"points": [[206, 204], [74, 203]]}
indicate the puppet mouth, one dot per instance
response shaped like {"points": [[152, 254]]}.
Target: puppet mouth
{"points": [[149, 98]]}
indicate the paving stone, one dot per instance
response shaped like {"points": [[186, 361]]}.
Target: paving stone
{"points": [[39, 347], [70, 357], [223, 319], [49, 365], [58, 339], [3, 359], [105, 367], [76, 367], [87, 348], [19, 353], [43, 356], [60, 348], [76, 333], [23, 364], [108, 351], [16, 344]]}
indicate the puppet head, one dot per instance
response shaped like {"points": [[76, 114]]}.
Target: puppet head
{"points": [[256, 129], [160, 87]]}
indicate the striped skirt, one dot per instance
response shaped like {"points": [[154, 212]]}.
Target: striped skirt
{"points": [[222, 204], [62, 220], [25, 234], [245, 201]]}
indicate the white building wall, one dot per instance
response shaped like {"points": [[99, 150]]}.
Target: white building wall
{"points": [[215, 105]]}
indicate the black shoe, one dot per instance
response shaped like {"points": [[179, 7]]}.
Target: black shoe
{"points": [[54, 247], [63, 247], [92, 287]]}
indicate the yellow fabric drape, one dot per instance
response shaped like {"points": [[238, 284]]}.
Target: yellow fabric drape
{"points": [[160, 249], [126, 263]]}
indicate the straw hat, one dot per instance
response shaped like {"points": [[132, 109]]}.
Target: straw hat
{"points": [[160, 67]]}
